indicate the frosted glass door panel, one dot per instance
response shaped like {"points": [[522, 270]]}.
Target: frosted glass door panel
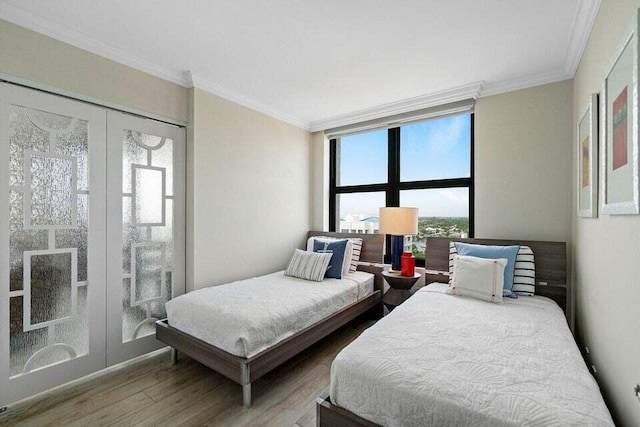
{"points": [[146, 264], [52, 293]]}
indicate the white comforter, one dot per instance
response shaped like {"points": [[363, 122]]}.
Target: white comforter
{"points": [[447, 360], [248, 316]]}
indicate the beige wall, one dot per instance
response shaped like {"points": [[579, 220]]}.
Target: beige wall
{"points": [[32, 56], [320, 183], [248, 175], [607, 249], [251, 191], [522, 170], [522, 165]]}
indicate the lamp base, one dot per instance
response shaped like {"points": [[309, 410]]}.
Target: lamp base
{"points": [[397, 246]]}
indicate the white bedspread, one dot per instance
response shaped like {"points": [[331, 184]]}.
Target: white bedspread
{"points": [[248, 316], [447, 360]]}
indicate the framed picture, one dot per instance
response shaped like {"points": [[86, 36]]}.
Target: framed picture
{"points": [[619, 114], [587, 132]]}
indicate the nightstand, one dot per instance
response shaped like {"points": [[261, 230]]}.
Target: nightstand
{"points": [[399, 287]]}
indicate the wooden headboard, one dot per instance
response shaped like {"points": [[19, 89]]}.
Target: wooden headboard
{"points": [[372, 252], [550, 259]]}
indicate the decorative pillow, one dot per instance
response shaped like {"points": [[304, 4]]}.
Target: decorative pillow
{"points": [[308, 265], [337, 248], [488, 252], [352, 255], [479, 278], [524, 275], [356, 245]]}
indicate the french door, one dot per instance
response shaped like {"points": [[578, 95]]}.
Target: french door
{"points": [[146, 223], [91, 237]]}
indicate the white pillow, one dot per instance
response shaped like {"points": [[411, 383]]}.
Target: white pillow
{"points": [[308, 265], [348, 253], [524, 273], [479, 278]]}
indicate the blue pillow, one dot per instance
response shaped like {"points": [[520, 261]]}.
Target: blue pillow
{"points": [[494, 252], [337, 248]]}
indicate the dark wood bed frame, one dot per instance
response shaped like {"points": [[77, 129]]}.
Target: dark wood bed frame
{"points": [[551, 271], [244, 371]]}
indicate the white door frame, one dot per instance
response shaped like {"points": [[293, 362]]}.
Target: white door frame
{"points": [[39, 380], [118, 122]]}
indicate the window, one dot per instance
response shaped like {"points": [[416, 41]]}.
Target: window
{"points": [[428, 165]]}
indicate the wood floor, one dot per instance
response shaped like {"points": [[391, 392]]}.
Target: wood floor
{"points": [[154, 393]]}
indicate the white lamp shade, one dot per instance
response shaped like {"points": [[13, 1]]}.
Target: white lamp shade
{"points": [[399, 221]]}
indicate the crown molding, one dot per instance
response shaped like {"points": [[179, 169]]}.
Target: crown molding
{"points": [[581, 27], [524, 82], [208, 86], [17, 15], [23, 18], [398, 107]]}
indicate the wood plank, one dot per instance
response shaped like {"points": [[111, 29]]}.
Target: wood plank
{"points": [[83, 391], [308, 419], [107, 415], [174, 401], [275, 400], [194, 395], [180, 379]]}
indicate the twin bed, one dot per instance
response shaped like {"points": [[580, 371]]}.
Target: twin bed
{"points": [[245, 329], [438, 359], [448, 360]]}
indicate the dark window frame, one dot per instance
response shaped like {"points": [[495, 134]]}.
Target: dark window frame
{"points": [[394, 186]]}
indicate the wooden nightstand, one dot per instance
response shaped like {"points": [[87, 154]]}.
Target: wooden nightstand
{"points": [[399, 287]]}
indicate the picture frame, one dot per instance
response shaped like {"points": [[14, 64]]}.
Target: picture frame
{"points": [[587, 149], [619, 130]]}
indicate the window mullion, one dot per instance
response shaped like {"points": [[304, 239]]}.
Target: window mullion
{"points": [[393, 192], [333, 205]]}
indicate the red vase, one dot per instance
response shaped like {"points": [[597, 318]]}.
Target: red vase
{"points": [[407, 264]]}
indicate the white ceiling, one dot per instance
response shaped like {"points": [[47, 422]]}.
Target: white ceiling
{"points": [[317, 63]]}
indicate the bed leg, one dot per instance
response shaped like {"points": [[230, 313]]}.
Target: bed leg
{"points": [[174, 356], [246, 395], [246, 385]]}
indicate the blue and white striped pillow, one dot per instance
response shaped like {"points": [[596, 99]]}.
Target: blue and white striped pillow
{"points": [[524, 274], [308, 265]]}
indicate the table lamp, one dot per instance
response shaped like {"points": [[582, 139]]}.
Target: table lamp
{"points": [[398, 222]]}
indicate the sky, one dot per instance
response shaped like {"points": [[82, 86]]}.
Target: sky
{"points": [[433, 149]]}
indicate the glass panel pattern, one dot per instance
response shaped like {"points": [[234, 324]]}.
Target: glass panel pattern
{"points": [[52, 192], [149, 195], [147, 231], [50, 287], [49, 208]]}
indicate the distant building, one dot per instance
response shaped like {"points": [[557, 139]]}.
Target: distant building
{"points": [[359, 223]]}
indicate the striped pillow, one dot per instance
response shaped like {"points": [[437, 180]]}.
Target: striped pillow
{"points": [[355, 254], [308, 265], [524, 275]]}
